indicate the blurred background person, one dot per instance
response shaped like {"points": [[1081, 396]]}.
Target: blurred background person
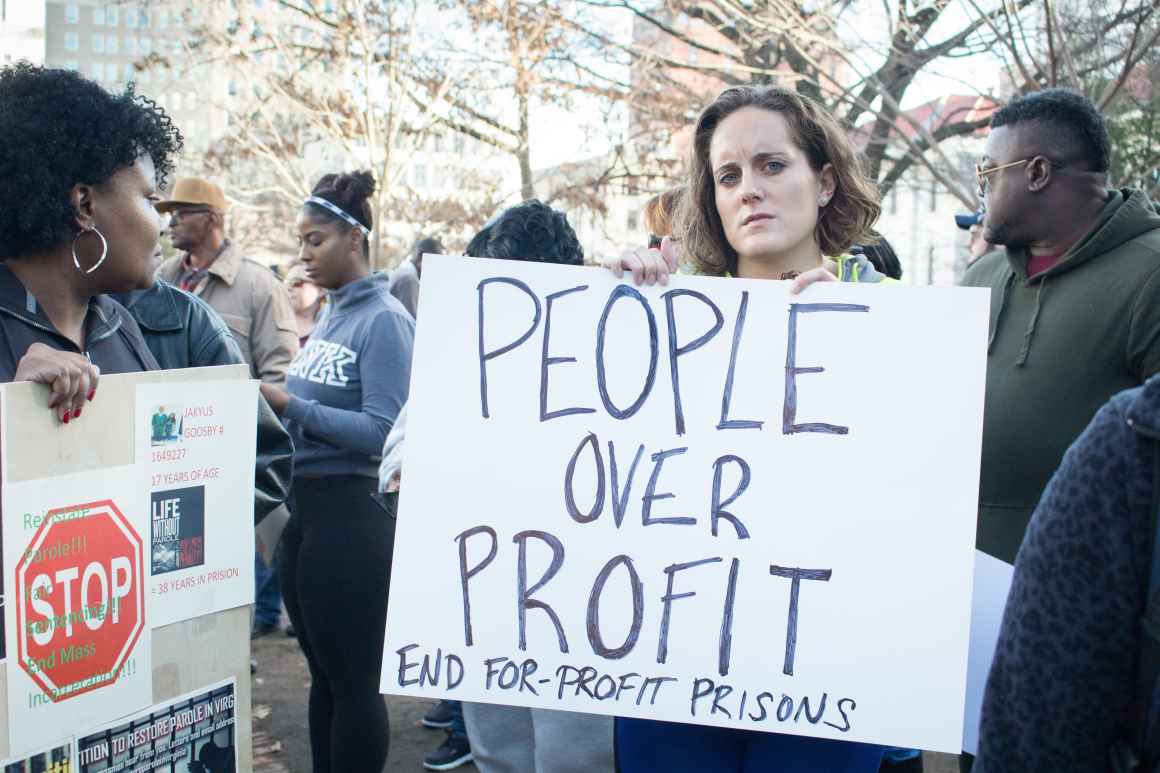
{"points": [[881, 255], [306, 298], [661, 213], [247, 295], [405, 278], [973, 224]]}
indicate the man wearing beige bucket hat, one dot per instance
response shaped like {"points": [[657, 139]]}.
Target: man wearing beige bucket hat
{"points": [[245, 293], [255, 306]]}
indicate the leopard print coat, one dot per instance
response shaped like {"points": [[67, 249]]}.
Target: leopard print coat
{"points": [[1062, 685]]}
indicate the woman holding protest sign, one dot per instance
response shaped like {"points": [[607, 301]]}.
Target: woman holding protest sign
{"points": [[343, 392], [776, 191], [80, 170]]}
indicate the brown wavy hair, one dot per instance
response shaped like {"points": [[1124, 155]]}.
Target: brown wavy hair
{"points": [[847, 218], [660, 212]]}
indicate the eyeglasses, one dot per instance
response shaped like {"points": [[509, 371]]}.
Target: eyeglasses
{"points": [[178, 215], [981, 173]]}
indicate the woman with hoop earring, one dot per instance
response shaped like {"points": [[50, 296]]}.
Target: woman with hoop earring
{"points": [[80, 170]]}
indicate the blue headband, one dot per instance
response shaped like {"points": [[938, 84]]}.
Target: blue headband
{"points": [[332, 207]]}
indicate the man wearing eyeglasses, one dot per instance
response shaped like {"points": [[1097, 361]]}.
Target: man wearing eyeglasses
{"points": [[1075, 319], [248, 296], [254, 304]]}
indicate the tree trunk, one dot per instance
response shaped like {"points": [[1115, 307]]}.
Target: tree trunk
{"points": [[523, 153]]}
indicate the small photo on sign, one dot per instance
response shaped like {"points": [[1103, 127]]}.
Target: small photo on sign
{"points": [[52, 761], [177, 525], [165, 425]]}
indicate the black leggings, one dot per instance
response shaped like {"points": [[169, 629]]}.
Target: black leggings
{"points": [[336, 565]]}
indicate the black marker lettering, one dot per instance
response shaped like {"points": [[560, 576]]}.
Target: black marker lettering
{"points": [[761, 707], [404, 666], [677, 351], [726, 646], [651, 496], [717, 507], [784, 708], [620, 499], [623, 291], [594, 636], [720, 694], [795, 576], [466, 574], [569, 474], [845, 726], [668, 599], [621, 686], [484, 356], [727, 394], [546, 360], [457, 679], [811, 717], [789, 409], [524, 600], [701, 689]]}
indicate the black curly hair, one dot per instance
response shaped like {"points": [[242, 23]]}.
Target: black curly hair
{"points": [[60, 130], [530, 231], [1069, 121], [350, 192]]}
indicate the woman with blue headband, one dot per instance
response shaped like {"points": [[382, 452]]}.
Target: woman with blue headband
{"points": [[343, 393]]}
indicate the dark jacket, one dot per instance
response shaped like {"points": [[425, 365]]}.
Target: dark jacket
{"points": [[1062, 684], [113, 342], [1062, 343], [182, 331]]}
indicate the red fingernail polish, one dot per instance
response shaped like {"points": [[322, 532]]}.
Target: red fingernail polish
{"points": [[77, 413], [92, 394], [65, 419]]}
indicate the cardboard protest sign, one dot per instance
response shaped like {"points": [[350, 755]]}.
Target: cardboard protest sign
{"points": [[197, 444], [710, 502], [79, 641], [89, 497], [196, 731]]}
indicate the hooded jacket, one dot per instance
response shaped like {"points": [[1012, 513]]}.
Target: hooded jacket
{"points": [[113, 342], [349, 383], [1061, 344], [1062, 685]]}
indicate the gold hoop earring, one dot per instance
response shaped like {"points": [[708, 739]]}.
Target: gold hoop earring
{"points": [[104, 250]]}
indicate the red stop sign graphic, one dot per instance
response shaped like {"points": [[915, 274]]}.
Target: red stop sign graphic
{"points": [[80, 604]]}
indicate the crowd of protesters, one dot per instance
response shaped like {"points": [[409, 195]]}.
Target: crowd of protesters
{"points": [[775, 190]]}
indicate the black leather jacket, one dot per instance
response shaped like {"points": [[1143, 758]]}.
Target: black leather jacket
{"points": [[112, 339], [183, 331]]}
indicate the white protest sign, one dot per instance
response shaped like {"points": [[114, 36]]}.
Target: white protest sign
{"points": [[196, 445], [79, 642], [711, 502], [988, 600]]}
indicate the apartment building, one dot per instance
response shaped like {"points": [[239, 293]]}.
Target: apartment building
{"points": [[114, 43]]}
